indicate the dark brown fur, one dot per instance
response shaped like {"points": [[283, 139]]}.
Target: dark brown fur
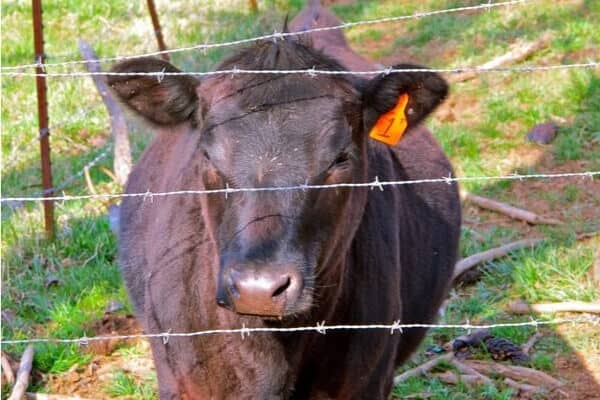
{"points": [[365, 256]]}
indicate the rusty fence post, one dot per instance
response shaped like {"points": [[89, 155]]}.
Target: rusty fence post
{"points": [[38, 38], [157, 30], [253, 6]]}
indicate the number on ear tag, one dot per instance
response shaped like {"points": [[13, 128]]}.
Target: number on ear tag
{"points": [[390, 127]]}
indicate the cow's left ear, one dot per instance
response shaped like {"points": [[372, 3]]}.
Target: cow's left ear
{"points": [[398, 101]]}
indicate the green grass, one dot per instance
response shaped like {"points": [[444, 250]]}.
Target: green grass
{"points": [[123, 385], [484, 135]]}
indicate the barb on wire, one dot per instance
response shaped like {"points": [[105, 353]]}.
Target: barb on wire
{"points": [[314, 72], [320, 327], [377, 184], [92, 163], [279, 35], [20, 148]]}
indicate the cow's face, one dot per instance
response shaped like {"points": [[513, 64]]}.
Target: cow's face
{"points": [[278, 249]]}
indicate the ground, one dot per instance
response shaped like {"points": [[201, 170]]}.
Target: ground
{"points": [[69, 288]]}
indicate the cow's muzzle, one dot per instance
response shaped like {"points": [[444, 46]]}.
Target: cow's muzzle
{"points": [[268, 291]]}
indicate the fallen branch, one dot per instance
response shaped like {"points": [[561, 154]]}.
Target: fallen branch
{"points": [[423, 368], [469, 262], [7, 371], [521, 307], [453, 379], [521, 387], [508, 210], [470, 372], [122, 151], [518, 52], [46, 396], [88, 181], [587, 235], [517, 373], [23, 373], [596, 268], [531, 342]]}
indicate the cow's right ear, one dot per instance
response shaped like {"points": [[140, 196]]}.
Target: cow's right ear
{"points": [[163, 100]]}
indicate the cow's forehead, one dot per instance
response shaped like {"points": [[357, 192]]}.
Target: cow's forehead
{"points": [[291, 140]]}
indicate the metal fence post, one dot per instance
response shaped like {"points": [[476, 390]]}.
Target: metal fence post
{"points": [[157, 30], [38, 38]]}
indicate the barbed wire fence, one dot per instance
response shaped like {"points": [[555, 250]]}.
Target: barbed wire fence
{"points": [[322, 328], [278, 35]]}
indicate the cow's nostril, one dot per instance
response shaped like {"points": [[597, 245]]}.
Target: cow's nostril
{"points": [[282, 288]]}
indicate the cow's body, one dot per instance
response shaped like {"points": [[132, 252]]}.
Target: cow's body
{"points": [[397, 266]]}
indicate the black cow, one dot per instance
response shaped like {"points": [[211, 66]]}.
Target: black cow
{"points": [[285, 258]]}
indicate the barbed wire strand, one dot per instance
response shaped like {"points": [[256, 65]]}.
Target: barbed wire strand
{"points": [[313, 72], [279, 35], [374, 184], [319, 328], [92, 163], [22, 147]]}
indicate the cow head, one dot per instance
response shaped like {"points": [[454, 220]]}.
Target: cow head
{"points": [[278, 249]]}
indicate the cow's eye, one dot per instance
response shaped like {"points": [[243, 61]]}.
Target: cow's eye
{"points": [[341, 161]]}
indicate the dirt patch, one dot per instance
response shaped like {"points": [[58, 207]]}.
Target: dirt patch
{"points": [[112, 325], [92, 380], [579, 381]]}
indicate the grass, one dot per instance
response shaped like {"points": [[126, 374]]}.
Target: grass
{"points": [[482, 130], [123, 385]]}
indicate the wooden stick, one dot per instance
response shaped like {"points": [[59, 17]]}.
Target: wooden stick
{"points": [[253, 6], [522, 387], [423, 368], [526, 348], [514, 372], [508, 210], [518, 52], [469, 262], [122, 150], [7, 371], [23, 373], [88, 181], [453, 379], [521, 307], [468, 371], [47, 396], [587, 235], [596, 268]]}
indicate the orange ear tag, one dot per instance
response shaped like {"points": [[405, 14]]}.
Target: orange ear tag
{"points": [[390, 127]]}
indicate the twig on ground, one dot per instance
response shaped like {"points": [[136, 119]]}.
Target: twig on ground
{"points": [[531, 342], [469, 262], [522, 387], [88, 181], [468, 371], [518, 52], [47, 396], [122, 150], [453, 379], [7, 371], [23, 373], [587, 235], [508, 210], [514, 372], [423, 368], [596, 268], [521, 307]]}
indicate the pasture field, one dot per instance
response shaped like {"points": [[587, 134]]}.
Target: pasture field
{"points": [[62, 289]]}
